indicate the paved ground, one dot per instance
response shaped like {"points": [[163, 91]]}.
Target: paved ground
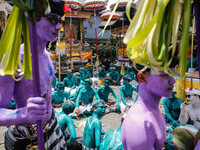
{"points": [[109, 121]]}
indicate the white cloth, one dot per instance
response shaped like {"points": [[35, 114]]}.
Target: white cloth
{"points": [[95, 83], [191, 70], [129, 102], [189, 127], [134, 83], [85, 107]]}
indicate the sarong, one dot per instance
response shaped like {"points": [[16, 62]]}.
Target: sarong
{"points": [[129, 102], [23, 137]]}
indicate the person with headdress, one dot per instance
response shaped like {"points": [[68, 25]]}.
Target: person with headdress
{"points": [[114, 75], [86, 95], [95, 81], [105, 91], [144, 126], [92, 130], [59, 95], [126, 92], [68, 80], [172, 108], [67, 126], [30, 109], [102, 74], [191, 111]]}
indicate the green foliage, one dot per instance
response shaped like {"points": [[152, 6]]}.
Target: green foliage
{"points": [[104, 51]]}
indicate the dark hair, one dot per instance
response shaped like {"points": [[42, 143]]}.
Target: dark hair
{"points": [[57, 7], [89, 60]]}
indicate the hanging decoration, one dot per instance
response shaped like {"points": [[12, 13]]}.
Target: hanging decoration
{"points": [[105, 17], [75, 6], [95, 5], [90, 21]]}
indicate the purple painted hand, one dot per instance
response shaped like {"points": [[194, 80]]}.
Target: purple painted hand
{"points": [[36, 109]]}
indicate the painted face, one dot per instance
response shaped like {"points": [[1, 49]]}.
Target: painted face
{"points": [[196, 100], [125, 82], [160, 84], [128, 69], [48, 27], [107, 83], [69, 74], [100, 109], [60, 89], [190, 97], [87, 85]]}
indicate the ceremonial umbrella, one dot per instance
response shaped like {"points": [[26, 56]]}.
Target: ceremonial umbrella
{"points": [[75, 5], [122, 7], [95, 5], [105, 17]]}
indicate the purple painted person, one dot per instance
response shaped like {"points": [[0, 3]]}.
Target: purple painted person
{"points": [[144, 126], [29, 109]]}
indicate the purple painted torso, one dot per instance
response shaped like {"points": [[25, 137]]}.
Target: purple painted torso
{"points": [[145, 129]]}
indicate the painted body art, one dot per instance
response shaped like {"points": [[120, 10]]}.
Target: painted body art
{"points": [[92, 130], [145, 115], [105, 91], [86, 95]]}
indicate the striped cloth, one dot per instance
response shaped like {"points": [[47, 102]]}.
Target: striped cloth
{"points": [[53, 137]]}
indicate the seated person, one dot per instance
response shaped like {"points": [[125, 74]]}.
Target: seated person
{"points": [[82, 73], [67, 126], [89, 64], [126, 92], [130, 72], [74, 96], [95, 81], [87, 73], [76, 83], [112, 140], [86, 95], [92, 130], [114, 75], [172, 108], [102, 74], [59, 95], [105, 91], [109, 70], [191, 111], [55, 81], [68, 80]]}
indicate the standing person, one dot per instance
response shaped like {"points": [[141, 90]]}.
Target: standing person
{"points": [[144, 126], [92, 130], [29, 109]]}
